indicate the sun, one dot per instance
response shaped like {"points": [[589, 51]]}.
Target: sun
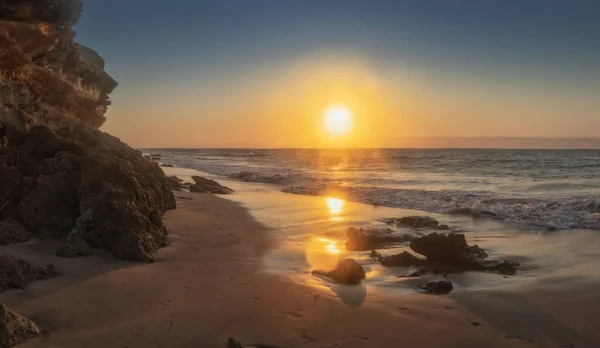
{"points": [[338, 120]]}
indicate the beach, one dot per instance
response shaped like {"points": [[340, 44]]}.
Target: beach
{"points": [[211, 283]]}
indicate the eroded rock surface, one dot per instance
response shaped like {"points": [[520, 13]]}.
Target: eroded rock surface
{"points": [[74, 248], [14, 328], [11, 231], [55, 164], [17, 274]]}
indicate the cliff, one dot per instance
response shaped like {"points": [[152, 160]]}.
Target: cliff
{"points": [[60, 175]]}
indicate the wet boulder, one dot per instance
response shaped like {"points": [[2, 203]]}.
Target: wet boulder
{"points": [[372, 238], [167, 165], [74, 248], [204, 185], [445, 247], [414, 221], [14, 328], [404, 259], [17, 274], [441, 287], [448, 254], [505, 267], [347, 272]]}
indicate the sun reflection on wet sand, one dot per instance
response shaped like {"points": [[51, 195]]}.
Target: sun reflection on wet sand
{"points": [[335, 206], [322, 253]]}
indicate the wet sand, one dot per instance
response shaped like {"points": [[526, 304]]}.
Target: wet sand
{"points": [[211, 284]]}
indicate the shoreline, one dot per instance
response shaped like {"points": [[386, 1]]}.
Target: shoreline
{"points": [[209, 285]]}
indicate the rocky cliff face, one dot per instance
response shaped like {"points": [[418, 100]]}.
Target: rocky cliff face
{"points": [[60, 175]]}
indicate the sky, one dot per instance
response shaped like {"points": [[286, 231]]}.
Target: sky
{"points": [[261, 73]]}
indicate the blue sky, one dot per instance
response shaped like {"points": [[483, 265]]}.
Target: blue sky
{"points": [[159, 50]]}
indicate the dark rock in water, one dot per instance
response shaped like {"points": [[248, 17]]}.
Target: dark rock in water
{"points": [[204, 185], [74, 248], [167, 165], [447, 254], [11, 232], [276, 178], [451, 247], [442, 227], [441, 287], [347, 272], [232, 343], [375, 254], [414, 221], [14, 328], [372, 238], [478, 213], [504, 267], [420, 272], [157, 155], [15, 273], [404, 259]]}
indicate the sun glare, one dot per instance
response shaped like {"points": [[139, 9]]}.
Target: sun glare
{"points": [[335, 205], [338, 120]]}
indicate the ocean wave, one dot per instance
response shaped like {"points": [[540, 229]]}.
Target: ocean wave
{"points": [[566, 213], [550, 199]]}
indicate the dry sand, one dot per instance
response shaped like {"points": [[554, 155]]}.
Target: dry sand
{"points": [[208, 286]]}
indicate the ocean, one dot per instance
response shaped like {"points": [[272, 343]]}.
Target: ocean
{"points": [[538, 189], [538, 208]]}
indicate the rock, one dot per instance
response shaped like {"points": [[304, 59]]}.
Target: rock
{"points": [[167, 165], [11, 231], [375, 254], [204, 185], [441, 287], [347, 272], [447, 254], [15, 273], [74, 248], [442, 227], [232, 343], [55, 163], [89, 55], [14, 328], [504, 267], [174, 183], [420, 272], [414, 221], [372, 238], [477, 213], [450, 248], [277, 179], [404, 259]]}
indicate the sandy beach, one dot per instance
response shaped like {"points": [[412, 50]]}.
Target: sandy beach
{"points": [[208, 285]]}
